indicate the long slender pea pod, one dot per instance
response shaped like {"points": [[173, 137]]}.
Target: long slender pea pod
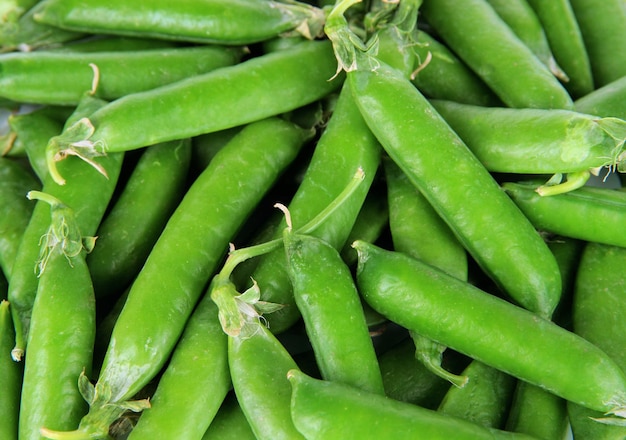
{"points": [[445, 76], [587, 213], [603, 29], [134, 223], [113, 43], [62, 329], [11, 377], [60, 78], [261, 87], [345, 144], [538, 141], [230, 423], [194, 384], [232, 22], [330, 306], [606, 101], [166, 290], [525, 23], [598, 313], [15, 209], [88, 195], [490, 329], [566, 42], [489, 47], [324, 409]]}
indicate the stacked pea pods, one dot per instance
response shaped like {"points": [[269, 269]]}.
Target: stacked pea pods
{"points": [[312, 220]]}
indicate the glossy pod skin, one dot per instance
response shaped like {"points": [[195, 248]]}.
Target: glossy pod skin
{"points": [[489, 329], [12, 374], [325, 409], [532, 277], [489, 47], [261, 87], [233, 22], [606, 101], [534, 141], [60, 78], [588, 213], [327, 298]]}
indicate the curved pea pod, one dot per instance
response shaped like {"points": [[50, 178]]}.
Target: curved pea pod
{"points": [[530, 276], [603, 30], [324, 409], [445, 76], [62, 328], [194, 384], [261, 87], [327, 298], [566, 42], [587, 213], [60, 78], [11, 377], [606, 101], [233, 22], [230, 423], [491, 49], [536, 141], [133, 224], [598, 311], [490, 329], [15, 209]]}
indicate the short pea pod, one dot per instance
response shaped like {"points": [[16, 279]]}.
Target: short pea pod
{"points": [[133, 224], [587, 213], [62, 328], [598, 313], [489, 47], [329, 303], [490, 329], [60, 78], [606, 101], [603, 31], [230, 423], [15, 210], [261, 87], [232, 22], [194, 384], [11, 377], [324, 409], [566, 42]]}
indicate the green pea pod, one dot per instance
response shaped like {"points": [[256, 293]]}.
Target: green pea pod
{"points": [[445, 76], [536, 141], [566, 42], [491, 49], [255, 89], [11, 377], [194, 384], [233, 22], [15, 210], [345, 144], [598, 311], [120, 73], [230, 423], [327, 298], [587, 213], [88, 195], [62, 328], [194, 239], [134, 223], [606, 101], [489, 329], [325, 409], [525, 23], [113, 43], [603, 28]]}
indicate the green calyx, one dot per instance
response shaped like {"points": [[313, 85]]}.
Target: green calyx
{"points": [[63, 233], [312, 18]]}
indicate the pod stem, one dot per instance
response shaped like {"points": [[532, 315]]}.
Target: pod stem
{"points": [[556, 186], [429, 353]]}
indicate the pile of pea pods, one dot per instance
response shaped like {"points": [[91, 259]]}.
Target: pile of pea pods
{"points": [[290, 219]]}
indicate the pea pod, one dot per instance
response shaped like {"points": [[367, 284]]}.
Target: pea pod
{"points": [[60, 78], [229, 97], [230, 22], [12, 375], [325, 409], [606, 101], [229, 423], [490, 329]]}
